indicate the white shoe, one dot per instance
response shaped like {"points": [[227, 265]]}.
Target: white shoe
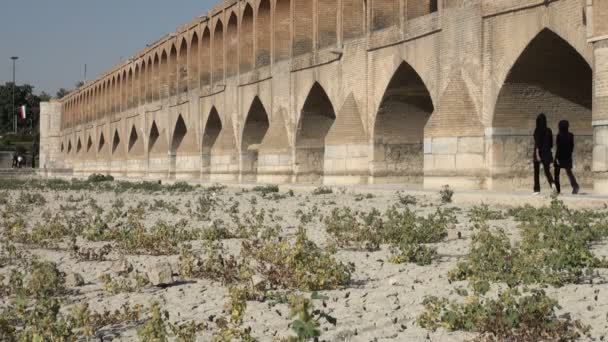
{"points": [[536, 193]]}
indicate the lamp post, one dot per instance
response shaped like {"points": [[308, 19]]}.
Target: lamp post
{"points": [[14, 58]]}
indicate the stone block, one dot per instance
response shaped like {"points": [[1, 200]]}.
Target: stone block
{"points": [[445, 146], [159, 273], [444, 162], [471, 145], [428, 146], [469, 161]]}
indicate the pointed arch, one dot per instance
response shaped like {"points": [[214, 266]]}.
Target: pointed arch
{"points": [[182, 72], [193, 67], [353, 19], [384, 14], [316, 118], [327, 14], [78, 146], [404, 111], [102, 143], [263, 33], [62, 147], [206, 57], [135, 147], [136, 87], [157, 143], [246, 62], [415, 9], [213, 128], [143, 82], [218, 52], [303, 27], [129, 90], [232, 46], [180, 132], [116, 144], [89, 144], [69, 146], [173, 71], [548, 71], [164, 75], [255, 129], [123, 92], [282, 30]]}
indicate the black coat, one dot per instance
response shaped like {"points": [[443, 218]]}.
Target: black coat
{"points": [[564, 148], [543, 141]]}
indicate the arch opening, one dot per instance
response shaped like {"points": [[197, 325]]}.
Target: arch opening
{"points": [[193, 72], [173, 71], [327, 23], [303, 27], [254, 131], [163, 76], [218, 52], [405, 108], [213, 128], [232, 55], [182, 72], [263, 31], [78, 146], [206, 58], [353, 19], [89, 144], [316, 119], [102, 143], [156, 142], [135, 145], [179, 133], [116, 143], [282, 30], [246, 61], [384, 14], [550, 76]]}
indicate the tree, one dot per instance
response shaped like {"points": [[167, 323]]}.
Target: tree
{"points": [[61, 93], [24, 95]]}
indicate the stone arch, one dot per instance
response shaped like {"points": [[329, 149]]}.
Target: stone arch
{"points": [[398, 129], [218, 52], [206, 57], [316, 119], [549, 76], [415, 9], [62, 147], [114, 95], [213, 127], [136, 86], [129, 90], [78, 146], [282, 30], [246, 62], [303, 27], [157, 143], [101, 144], [232, 46], [353, 19], [263, 34], [69, 146], [136, 145], [116, 145], [164, 75], [143, 83], [182, 63], [89, 144], [123, 92], [254, 131], [384, 14], [173, 67], [183, 140], [193, 68], [154, 79], [327, 14]]}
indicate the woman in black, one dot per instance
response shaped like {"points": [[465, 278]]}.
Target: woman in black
{"points": [[543, 143], [563, 155]]}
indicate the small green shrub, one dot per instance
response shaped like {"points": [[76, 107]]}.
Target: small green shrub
{"points": [[98, 178], [154, 329], [511, 317], [266, 189], [322, 190], [445, 194], [301, 265]]}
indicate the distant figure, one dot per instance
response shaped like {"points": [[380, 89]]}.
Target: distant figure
{"points": [[563, 156], [543, 143], [14, 165], [20, 161]]}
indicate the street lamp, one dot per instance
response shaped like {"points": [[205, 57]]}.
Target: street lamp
{"points": [[14, 58]]}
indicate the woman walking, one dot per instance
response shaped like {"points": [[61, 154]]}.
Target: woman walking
{"points": [[543, 143], [563, 155]]}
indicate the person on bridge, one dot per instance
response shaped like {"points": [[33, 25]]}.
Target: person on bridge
{"points": [[543, 143], [564, 147]]}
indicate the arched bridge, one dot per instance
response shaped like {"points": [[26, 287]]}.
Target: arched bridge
{"points": [[347, 91]]}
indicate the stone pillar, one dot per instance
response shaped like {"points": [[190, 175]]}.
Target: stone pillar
{"points": [[599, 38], [50, 126]]}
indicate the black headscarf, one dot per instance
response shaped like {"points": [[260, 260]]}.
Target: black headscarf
{"points": [[564, 126], [541, 126]]}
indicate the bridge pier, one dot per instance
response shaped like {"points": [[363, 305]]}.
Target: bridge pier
{"points": [[600, 116]]}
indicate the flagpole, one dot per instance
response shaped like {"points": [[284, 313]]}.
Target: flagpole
{"points": [[14, 109]]}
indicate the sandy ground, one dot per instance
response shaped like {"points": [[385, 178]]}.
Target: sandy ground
{"points": [[381, 304]]}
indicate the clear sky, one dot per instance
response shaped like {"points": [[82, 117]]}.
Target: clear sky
{"points": [[54, 39]]}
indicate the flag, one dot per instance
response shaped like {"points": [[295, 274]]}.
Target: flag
{"points": [[22, 111]]}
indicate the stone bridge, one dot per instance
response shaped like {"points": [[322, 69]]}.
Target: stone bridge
{"points": [[423, 92]]}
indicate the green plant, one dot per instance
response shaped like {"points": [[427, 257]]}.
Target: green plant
{"points": [[121, 284], [90, 323], [96, 178], [483, 213], [301, 265], [322, 190], [154, 329], [445, 194], [210, 265], [266, 189], [511, 317], [406, 199]]}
